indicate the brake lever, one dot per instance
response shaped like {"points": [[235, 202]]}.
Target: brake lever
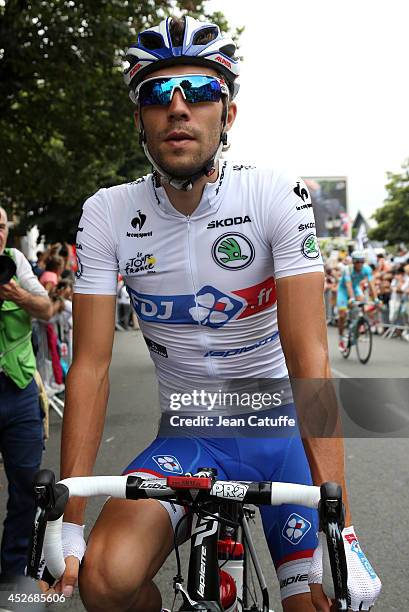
{"points": [[51, 500], [331, 513]]}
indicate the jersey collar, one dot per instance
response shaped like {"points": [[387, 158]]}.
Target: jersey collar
{"points": [[211, 198]]}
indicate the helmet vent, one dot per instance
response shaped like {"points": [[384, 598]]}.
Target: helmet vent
{"points": [[205, 35], [228, 50], [151, 40]]}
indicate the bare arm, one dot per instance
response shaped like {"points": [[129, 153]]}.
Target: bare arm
{"points": [[37, 306], [303, 334], [87, 390], [372, 289]]}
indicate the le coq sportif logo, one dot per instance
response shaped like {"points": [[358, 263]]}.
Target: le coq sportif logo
{"points": [[139, 221]]}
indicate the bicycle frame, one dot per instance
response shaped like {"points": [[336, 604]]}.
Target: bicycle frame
{"points": [[203, 577], [203, 574], [204, 494]]}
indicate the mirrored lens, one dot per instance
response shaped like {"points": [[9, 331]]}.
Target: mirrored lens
{"points": [[196, 89]]}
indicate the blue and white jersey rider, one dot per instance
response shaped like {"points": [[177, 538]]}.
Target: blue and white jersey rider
{"points": [[203, 287]]}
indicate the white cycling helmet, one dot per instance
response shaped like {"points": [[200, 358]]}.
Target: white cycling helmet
{"points": [[203, 44], [358, 256]]}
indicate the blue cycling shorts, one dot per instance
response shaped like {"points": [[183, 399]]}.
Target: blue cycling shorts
{"points": [[290, 530]]}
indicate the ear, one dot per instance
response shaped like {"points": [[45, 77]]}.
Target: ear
{"points": [[231, 115], [136, 118]]}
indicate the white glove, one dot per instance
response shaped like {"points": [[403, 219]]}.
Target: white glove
{"points": [[364, 586], [73, 543]]}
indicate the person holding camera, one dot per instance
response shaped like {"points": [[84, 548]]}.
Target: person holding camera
{"points": [[21, 426]]}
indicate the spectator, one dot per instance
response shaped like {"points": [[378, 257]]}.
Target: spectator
{"points": [[123, 305], [64, 291], [382, 265], [69, 275], [39, 265], [21, 426], [396, 295], [405, 304], [53, 269]]}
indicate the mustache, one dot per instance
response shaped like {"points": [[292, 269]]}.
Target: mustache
{"points": [[178, 126]]}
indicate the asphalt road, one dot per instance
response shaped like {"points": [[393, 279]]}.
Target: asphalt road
{"points": [[377, 469]]}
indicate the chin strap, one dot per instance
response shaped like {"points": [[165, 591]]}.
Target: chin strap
{"points": [[186, 184]]}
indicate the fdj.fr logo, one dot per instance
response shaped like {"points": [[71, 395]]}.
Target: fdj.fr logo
{"points": [[233, 251], [295, 528]]}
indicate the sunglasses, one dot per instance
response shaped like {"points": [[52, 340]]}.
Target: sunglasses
{"points": [[193, 87]]}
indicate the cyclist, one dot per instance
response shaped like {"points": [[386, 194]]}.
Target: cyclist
{"points": [[350, 289], [207, 250]]}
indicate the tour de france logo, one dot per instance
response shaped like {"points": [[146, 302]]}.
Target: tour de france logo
{"points": [[233, 251]]}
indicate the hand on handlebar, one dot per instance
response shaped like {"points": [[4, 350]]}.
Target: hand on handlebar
{"points": [[68, 580], [364, 586], [74, 546]]}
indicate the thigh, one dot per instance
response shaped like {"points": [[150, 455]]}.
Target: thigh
{"points": [[128, 544], [342, 299], [291, 531]]}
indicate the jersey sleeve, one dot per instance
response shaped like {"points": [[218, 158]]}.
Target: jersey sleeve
{"points": [[368, 271], [294, 242], [96, 249], [346, 276], [26, 276]]}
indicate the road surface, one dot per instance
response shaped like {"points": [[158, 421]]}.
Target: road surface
{"points": [[377, 469]]}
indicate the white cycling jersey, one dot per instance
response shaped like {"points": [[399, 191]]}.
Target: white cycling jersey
{"points": [[203, 285]]}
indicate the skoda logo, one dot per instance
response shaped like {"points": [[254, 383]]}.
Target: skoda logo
{"points": [[233, 251]]}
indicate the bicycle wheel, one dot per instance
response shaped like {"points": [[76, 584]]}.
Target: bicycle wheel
{"points": [[363, 338]]}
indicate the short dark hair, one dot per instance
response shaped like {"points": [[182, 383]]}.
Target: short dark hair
{"points": [[54, 263], [64, 283], [177, 31]]}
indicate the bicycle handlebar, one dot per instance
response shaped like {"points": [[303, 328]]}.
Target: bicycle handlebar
{"points": [[51, 499]]}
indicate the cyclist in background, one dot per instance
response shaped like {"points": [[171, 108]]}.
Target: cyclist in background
{"points": [[350, 289]]}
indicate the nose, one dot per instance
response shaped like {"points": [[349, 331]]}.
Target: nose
{"points": [[178, 109]]}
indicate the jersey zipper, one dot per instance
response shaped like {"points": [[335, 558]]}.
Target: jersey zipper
{"points": [[209, 364]]}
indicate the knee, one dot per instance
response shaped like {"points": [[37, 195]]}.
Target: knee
{"points": [[103, 586]]}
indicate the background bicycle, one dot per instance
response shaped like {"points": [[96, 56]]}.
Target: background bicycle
{"points": [[358, 332]]}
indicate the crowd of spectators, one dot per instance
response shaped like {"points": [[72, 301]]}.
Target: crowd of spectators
{"points": [[55, 269], [391, 276]]}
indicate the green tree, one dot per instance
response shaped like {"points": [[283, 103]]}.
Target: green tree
{"points": [[66, 125], [393, 216]]}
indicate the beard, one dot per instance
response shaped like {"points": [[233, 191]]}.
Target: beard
{"points": [[182, 164]]}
